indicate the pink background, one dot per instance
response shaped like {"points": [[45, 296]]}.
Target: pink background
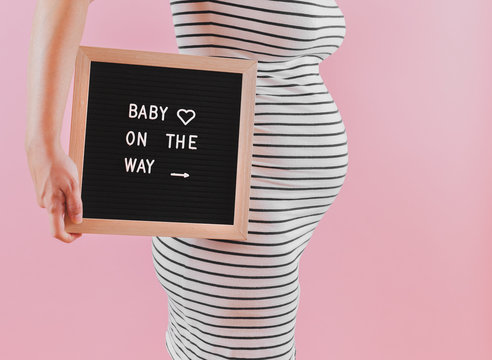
{"points": [[400, 266]]}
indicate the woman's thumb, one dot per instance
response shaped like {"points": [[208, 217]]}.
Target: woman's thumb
{"points": [[74, 205]]}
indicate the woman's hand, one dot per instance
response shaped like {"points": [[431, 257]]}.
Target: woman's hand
{"points": [[55, 178]]}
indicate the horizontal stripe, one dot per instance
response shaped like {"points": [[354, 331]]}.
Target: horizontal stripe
{"points": [[296, 103], [298, 113], [299, 145], [282, 1], [283, 220], [268, 244], [294, 84], [299, 167], [290, 209], [252, 19], [263, 233], [297, 124], [294, 189], [242, 49], [235, 253], [291, 199], [287, 69], [251, 42], [325, 134], [256, 8], [299, 156], [290, 77], [299, 94], [298, 178], [249, 30]]}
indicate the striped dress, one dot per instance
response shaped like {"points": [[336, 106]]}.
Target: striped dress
{"points": [[230, 299]]}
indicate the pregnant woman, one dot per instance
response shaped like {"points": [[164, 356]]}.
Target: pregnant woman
{"points": [[227, 299]]}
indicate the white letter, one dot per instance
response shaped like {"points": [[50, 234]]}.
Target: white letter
{"points": [[191, 142], [132, 110], [141, 165], [163, 111], [133, 138], [142, 111], [153, 112], [182, 142], [150, 164], [131, 164], [170, 136], [144, 139]]}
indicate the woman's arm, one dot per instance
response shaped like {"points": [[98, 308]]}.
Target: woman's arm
{"points": [[57, 29]]}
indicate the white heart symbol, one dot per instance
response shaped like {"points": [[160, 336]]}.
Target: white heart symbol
{"points": [[186, 111]]}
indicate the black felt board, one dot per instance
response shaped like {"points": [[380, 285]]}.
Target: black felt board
{"points": [[208, 194]]}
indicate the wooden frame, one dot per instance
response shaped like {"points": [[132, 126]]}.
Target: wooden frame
{"points": [[237, 231]]}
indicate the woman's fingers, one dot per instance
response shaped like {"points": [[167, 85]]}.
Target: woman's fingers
{"points": [[56, 210]]}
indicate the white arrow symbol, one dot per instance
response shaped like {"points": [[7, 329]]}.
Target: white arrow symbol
{"points": [[185, 175]]}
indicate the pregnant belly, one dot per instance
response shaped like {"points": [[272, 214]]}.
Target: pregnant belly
{"points": [[300, 150], [297, 123]]}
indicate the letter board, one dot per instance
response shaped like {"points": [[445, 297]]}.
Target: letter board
{"points": [[162, 143]]}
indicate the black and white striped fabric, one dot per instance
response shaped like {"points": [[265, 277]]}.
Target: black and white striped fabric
{"points": [[231, 299]]}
